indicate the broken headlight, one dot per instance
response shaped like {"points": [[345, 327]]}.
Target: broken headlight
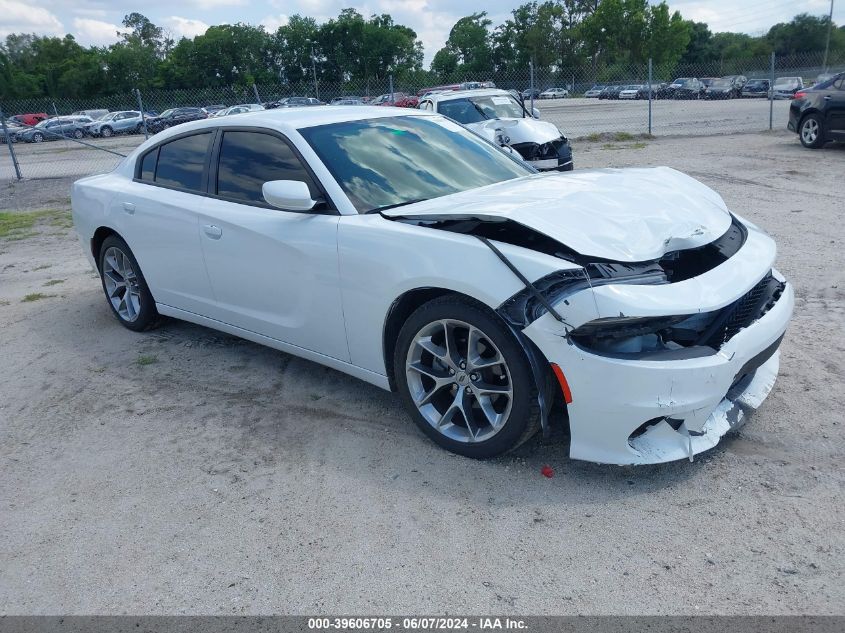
{"points": [[627, 335]]}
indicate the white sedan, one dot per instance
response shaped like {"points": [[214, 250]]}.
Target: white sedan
{"points": [[399, 247], [554, 93]]}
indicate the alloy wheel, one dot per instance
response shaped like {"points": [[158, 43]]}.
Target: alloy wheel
{"points": [[459, 381], [38, 138], [121, 283], [810, 131]]}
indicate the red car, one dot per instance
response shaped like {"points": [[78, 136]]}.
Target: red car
{"points": [[29, 120]]}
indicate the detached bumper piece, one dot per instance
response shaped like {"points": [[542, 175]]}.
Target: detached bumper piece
{"points": [[555, 154]]}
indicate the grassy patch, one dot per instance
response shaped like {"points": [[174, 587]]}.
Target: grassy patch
{"points": [[19, 226], [615, 137], [147, 359], [54, 282], [637, 145], [35, 296]]}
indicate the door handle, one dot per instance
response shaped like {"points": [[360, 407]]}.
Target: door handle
{"points": [[212, 231], [827, 97], [129, 208]]}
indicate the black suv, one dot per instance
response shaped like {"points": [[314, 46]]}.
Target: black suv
{"points": [[174, 116], [818, 114]]}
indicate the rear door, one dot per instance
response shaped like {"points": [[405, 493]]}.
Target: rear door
{"points": [[159, 216], [273, 272]]}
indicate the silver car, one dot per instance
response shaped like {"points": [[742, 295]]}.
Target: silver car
{"points": [[122, 122]]}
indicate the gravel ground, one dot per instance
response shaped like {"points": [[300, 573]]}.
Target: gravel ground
{"points": [[186, 471]]}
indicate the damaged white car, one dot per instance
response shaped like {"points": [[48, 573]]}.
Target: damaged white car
{"points": [[499, 117], [400, 248]]}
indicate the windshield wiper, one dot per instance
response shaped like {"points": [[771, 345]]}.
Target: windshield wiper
{"points": [[398, 204]]}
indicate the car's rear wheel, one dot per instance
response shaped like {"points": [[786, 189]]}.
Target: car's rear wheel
{"points": [[106, 132], [811, 131], [464, 378], [77, 134], [125, 287]]}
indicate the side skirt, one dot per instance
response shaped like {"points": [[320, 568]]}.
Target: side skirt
{"points": [[347, 368]]}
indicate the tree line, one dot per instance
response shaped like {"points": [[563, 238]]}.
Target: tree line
{"points": [[602, 37]]}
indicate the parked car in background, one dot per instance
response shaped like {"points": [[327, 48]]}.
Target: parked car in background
{"points": [[786, 87], [174, 116], [298, 102], [756, 88], [729, 87], [94, 114], [595, 91], [526, 94], [388, 99], [818, 113], [346, 102], [10, 134], [239, 109], [706, 81], [344, 98], [554, 93], [501, 118], [211, 109], [53, 129], [610, 92], [632, 91], [686, 88], [28, 120], [121, 122]]}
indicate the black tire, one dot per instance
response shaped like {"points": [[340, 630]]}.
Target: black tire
{"points": [[77, 134], [522, 422], [147, 316], [106, 132], [818, 141], [38, 137]]}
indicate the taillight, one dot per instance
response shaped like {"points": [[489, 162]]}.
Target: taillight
{"points": [[800, 95]]}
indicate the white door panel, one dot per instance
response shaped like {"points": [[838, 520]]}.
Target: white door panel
{"points": [[160, 226], [275, 273]]}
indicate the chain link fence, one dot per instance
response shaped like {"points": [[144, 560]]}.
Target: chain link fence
{"points": [[632, 99]]}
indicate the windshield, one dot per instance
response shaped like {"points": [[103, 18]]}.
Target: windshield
{"points": [[720, 83], [44, 122], [477, 109], [786, 83], [392, 161], [167, 113], [680, 82], [755, 83]]}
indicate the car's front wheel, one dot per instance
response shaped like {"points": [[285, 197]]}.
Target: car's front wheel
{"points": [[38, 137], [125, 287], [106, 132], [77, 134], [811, 131], [465, 379]]}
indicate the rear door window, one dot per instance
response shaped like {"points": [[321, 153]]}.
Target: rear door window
{"points": [[181, 162]]}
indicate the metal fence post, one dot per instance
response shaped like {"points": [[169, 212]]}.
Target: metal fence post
{"points": [[772, 92], [390, 77], [10, 144], [531, 84], [649, 96], [143, 114], [255, 90]]}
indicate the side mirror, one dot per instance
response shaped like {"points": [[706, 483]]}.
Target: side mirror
{"points": [[535, 112], [289, 195]]}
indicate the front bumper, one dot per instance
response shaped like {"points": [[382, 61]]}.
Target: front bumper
{"points": [[649, 411]]}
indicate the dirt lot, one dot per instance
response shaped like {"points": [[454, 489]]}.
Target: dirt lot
{"points": [[186, 471]]}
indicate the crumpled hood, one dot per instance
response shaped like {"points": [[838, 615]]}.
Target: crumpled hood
{"points": [[518, 130], [627, 215]]}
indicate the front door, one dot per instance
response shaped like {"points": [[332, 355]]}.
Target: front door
{"points": [[273, 272]]}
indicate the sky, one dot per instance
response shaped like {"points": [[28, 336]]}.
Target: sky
{"points": [[96, 22]]}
